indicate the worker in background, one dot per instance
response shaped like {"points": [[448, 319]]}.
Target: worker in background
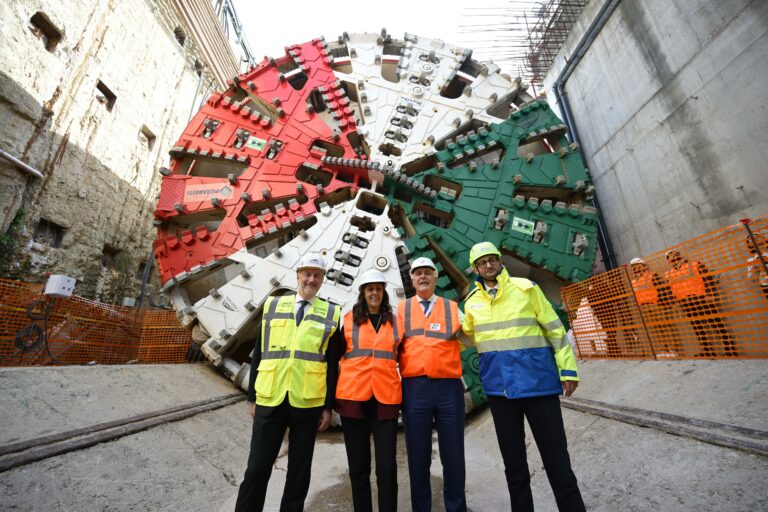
{"points": [[607, 298], [525, 363], [292, 383], [756, 264], [430, 364], [654, 297], [369, 394], [695, 290]]}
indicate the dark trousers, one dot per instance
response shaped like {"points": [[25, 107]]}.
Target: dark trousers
{"points": [[546, 422], [357, 440], [441, 400], [269, 428], [700, 311]]}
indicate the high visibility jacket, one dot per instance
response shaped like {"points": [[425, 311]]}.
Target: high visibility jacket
{"points": [[293, 357], [522, 344], [686, 281], [430, 346], [645, 291], [368, 367]]}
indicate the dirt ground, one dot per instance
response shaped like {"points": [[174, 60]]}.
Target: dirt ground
{"points": [[197, 463]]}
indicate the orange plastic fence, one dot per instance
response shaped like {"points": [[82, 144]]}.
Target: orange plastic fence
{"points": [[707, 297], [81, 331]]}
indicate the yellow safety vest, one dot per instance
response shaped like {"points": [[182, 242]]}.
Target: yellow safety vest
{"points": [[522, 344], [293, 357]]}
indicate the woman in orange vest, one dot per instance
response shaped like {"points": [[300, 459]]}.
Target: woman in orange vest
{"points": [[368, 392]]}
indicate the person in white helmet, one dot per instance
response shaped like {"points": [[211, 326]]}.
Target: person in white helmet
{"points": [[368, 393], [654, 298], [433, 392], [292, 385]]}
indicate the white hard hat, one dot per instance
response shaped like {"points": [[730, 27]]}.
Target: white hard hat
{"points": [[637, 260], [311, 260], [372, 276], [423, 262]]}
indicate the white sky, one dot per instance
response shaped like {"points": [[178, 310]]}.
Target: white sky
{"points": [[270, 27]]}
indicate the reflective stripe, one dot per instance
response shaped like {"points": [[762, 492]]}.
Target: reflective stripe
{"points": [[554, 324], [447, 335], [330, 325], [368, 352], [308, 356], [408, 331], [517, 343], [359, 352], [394, 332], [559, 343], [325, 320], [271, 312], [568, 373], [278, 316], [276, 354], [505, 324]]}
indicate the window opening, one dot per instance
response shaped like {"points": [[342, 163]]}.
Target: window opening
{"points": [[43, 28], [180, 35], [105, 96], [49, 233], [147, 137]]}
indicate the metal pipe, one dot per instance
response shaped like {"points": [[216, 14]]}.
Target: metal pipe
{"points": [[23, 166], [603, 15], [197, 91]]}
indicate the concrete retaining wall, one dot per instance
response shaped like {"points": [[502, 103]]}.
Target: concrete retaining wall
{"points": [[669, 102]]}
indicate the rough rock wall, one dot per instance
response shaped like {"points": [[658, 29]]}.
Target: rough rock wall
{"points": [[96, 114]]}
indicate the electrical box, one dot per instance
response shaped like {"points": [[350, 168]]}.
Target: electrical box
{"points": [[59, 285]]}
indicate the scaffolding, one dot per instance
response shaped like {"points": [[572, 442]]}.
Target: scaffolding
{"points": [[522, 36]]}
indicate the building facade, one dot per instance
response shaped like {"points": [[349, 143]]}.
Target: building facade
{"points": [[93, 95]]}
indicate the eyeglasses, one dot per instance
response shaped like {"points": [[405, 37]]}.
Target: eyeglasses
{"points": [[489, 262]]}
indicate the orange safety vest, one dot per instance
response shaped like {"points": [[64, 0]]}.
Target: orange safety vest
{"points": [[369, 365], [645, 291], [686, 281], [430, 346]]}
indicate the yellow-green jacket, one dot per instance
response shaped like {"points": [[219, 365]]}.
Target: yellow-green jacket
{"points": [[522, 344], [293, 358]]}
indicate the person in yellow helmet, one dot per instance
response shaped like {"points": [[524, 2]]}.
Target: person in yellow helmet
{"points": [[292, 385], [525, 363]]}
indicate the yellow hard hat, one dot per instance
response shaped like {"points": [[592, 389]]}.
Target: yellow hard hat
{"points": [[482, 249]]}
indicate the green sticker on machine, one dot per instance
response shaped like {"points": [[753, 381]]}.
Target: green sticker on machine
{"points": [[255, 143], [522, 225]]}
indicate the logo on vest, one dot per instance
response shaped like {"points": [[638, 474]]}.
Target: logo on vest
{"points": [[434, 327]]}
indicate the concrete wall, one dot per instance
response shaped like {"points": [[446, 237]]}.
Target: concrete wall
{"points": [[670, 105], [101, 178]]}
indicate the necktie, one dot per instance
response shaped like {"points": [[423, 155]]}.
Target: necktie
{"points": [[300, 312], [425, 306], [492, 292]]}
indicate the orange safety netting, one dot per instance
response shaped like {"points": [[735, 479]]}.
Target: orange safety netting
{"points": [[82, 331], [707, 297]]}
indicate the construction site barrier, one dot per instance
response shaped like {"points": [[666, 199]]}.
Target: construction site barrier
{"points": [[39, 330], [712, 303], [706, 297]]}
